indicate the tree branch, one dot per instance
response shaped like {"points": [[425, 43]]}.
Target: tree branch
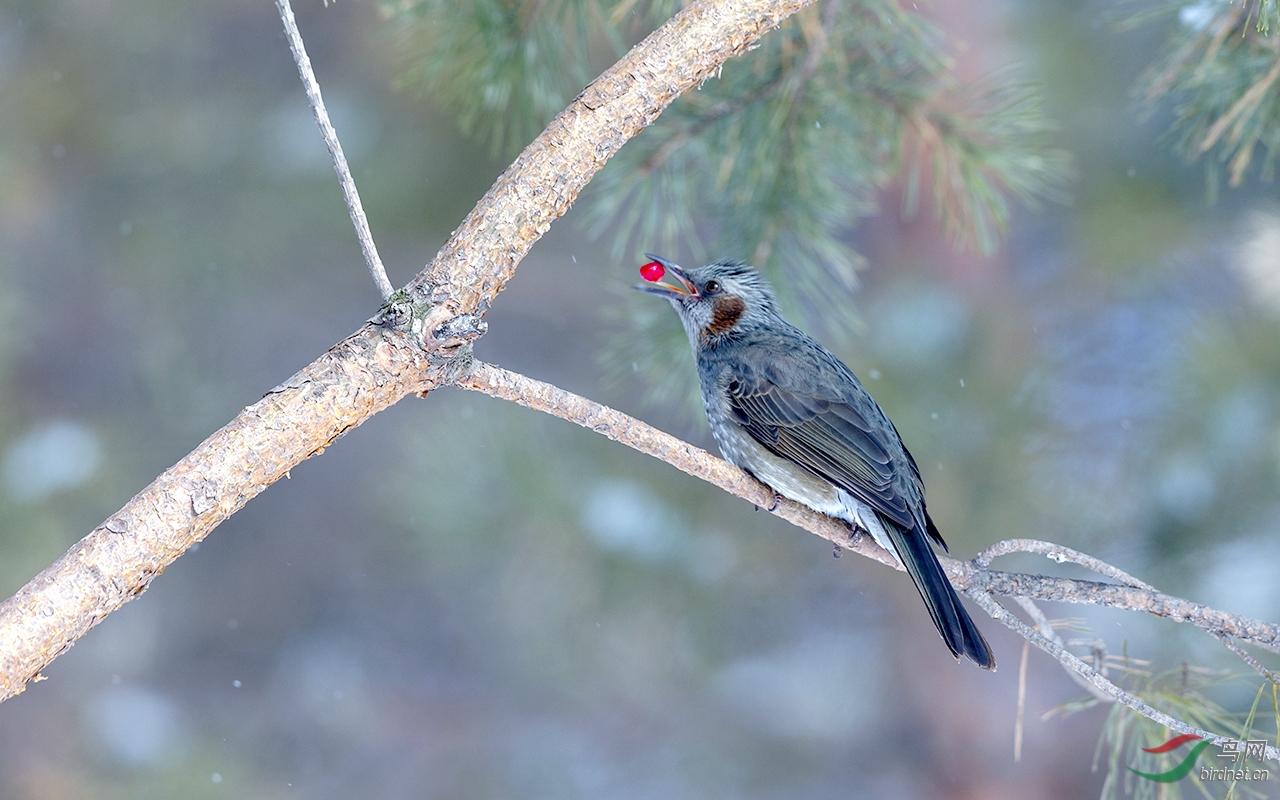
{"points": [[974, 578], [1103, 686], [641, 436], [418, 342], [1068, 590], [1058, 553], [967, 576], [421, 341], [482, 254], [1231, 645], [349, 192]]}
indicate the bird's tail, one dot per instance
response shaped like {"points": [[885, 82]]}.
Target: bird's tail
{"points": [[953, 622]]}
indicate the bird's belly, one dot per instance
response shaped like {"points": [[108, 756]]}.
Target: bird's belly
{"points": [[785, 478], [796, 483]]}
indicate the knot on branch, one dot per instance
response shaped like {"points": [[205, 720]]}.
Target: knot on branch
{"points": [[444, 336], [455, 368], [458, 331], [401, 313], [431, 324]]}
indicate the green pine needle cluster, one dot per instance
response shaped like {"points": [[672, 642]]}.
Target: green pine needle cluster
{"points": [[1185, 694], [506, 67], [787, 147], [787, 150], [774, 161], [1222, 73]]}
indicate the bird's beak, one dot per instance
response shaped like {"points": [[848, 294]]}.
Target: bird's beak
{"points": [[681, 287]]}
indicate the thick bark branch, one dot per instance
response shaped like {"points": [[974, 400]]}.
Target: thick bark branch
{"points": [[442, 310], [483, 252], [375, 366], [117, 561]]}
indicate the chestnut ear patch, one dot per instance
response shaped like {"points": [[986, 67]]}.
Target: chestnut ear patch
{"points": [[726, 310]]}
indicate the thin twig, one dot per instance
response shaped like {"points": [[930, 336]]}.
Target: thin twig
{"points": [[966, 576], [540, 396], [349, 192], [1231, 645], [1039, 618], [1059, 554], [1022, 701], [1074, 664], [1049, 632], [443, 309], [976, 582]]}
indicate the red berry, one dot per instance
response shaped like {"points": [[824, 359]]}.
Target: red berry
{"points": [[652, 272]]}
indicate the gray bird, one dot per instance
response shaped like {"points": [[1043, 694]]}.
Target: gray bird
{"points": [[786, 410]]}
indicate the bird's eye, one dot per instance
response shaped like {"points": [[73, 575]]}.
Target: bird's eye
{"points": [[711, 287]]}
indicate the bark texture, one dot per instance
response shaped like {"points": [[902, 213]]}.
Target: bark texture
{"points": [[482, 254], [360, 376], [379, 364]]}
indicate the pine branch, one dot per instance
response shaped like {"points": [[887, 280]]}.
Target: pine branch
{"points": [[971, 577], [1221, 72], [1103, 686], [1059, 554], [419, 341], [782, 156], [640, 436]]}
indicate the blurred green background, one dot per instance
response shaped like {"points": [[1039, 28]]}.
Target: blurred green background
{"points": [[467, 599]]}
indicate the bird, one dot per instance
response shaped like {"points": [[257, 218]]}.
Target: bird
{"points": [[786, 410]]}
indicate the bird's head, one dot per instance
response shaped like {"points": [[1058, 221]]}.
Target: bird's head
{"points": [[712, 300]]}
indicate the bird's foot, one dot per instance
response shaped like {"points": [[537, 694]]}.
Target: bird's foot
{"points": [[777, 498], [854, 533]]}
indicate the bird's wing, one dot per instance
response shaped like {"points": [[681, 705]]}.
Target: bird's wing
{"points": [[823, 420], [831, 438]]}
